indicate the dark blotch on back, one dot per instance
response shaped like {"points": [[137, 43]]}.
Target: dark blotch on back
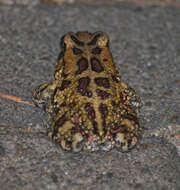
{"points": [[65, 84], [102, 81], [94, 123], [96, 65], [104, 126], [103, 110], [94, 40], [82, 65], [103, 94], [77, 42], [83, 85], [90, 111]]}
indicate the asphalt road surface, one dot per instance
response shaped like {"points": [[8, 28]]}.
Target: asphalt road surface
{"points": [[145, 43]]}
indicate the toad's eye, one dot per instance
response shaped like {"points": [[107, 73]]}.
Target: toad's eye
{"points": [[77, 51], [96, 51]]}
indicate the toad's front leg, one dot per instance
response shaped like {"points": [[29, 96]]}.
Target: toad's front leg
{"points": [[43, 93]]}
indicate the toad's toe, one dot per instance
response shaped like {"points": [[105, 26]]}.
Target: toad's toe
{"points": [[121, 142], [65, 144], [124, 143], [77, 143]]}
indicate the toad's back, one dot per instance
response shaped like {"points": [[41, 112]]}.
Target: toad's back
{"points": [[88, 101]]}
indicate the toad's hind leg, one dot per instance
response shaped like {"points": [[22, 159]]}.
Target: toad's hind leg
{"points": [[127, 131], [66, 134], [128, 136]]}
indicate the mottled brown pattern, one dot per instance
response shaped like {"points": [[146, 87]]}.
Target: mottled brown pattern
{"points": [[82, 65], [90, 111], [90, 107], [103, 94], [83, 87], [96, 65], [95, 127], [103, 110], [104, 126], [102, 81]]}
